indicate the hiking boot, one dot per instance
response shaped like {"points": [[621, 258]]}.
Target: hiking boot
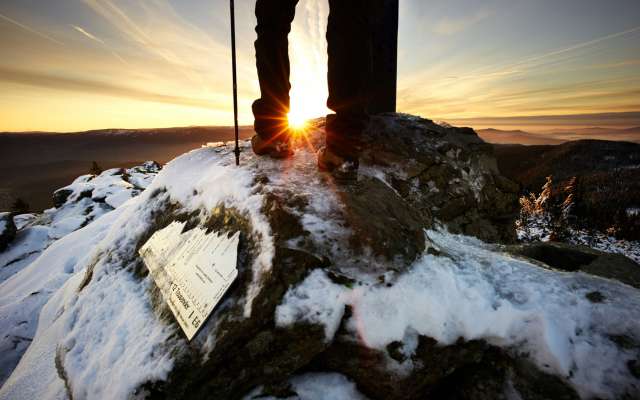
{"points": [[275, 148], [342, 168]]}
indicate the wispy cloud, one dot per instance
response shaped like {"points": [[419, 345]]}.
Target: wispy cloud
{"points": [[538, 59], [94, 38], [174, 41], [77, 84], [31, 30], [451, 26], [87, 34], [517, 87], [177, 52]]}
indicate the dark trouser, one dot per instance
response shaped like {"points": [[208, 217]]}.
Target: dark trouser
{"points": [[272, 60], [349, 70]]}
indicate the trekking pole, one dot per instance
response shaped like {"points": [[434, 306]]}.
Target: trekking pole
{"points": [[235, 79]]}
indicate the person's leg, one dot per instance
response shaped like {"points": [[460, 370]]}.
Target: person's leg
{"points": [[272, 60], [349, 71]]}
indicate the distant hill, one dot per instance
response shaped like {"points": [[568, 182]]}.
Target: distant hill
{"points": [[118, 145], [516, 137], [33, 164], [529, 165], [625, 135], [558, 136]]}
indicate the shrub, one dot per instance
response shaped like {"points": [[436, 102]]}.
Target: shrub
{"points": [[20, 206], [95, 168]]}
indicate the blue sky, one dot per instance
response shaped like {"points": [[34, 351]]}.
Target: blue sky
{"points": [[82, 64]]}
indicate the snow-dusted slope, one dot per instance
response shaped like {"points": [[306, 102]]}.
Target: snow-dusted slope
{"points": [[29, 277], [77, 205], [373, 319], [111, 333]]}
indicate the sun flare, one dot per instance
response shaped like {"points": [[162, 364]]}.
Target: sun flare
{"points": [[297, 121]]}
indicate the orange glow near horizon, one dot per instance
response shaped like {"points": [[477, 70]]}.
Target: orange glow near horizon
{"points": [[103, 65]]}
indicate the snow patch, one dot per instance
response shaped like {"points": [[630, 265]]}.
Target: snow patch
{"points": [[22, 220], [476, 292], [317, 386], [317, 301], [23, 295]]}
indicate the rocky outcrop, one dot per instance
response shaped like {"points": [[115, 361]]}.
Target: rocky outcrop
{"points": [[446, 173], [7, 230], [415, 175], [366, 279]]}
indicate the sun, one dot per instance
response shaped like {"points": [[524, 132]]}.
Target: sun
{"points": [[297, 121]]}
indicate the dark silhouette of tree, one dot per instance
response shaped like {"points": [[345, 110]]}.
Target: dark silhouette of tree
{"points": [[20, 206], [95, 169]]}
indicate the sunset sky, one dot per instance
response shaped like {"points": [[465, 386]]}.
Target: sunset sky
{"points": [[70, 65]]}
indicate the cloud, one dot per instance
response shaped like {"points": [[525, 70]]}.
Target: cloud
{"points": [[75, 84], [535, 59], [518, 87], [102, 42], [451, 26], [87, 34], [172, 40], [31, 30]]}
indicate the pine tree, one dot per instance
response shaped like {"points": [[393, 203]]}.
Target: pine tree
{"points": [[545, 196], [95, 169], [20, 206], [569, 202]]}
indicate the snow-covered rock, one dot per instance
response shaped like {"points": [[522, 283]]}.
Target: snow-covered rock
{"points": [[363, 281], [538, 228], [22, 220], [311, 386], [76, 205], [88, 199]]}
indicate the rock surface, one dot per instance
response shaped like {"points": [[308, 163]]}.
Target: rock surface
{"points": [[446, 173], [414, 174], [568, 257], [361, 279]]}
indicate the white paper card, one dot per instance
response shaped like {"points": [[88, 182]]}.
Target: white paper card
{"points": [[193, 271]]}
